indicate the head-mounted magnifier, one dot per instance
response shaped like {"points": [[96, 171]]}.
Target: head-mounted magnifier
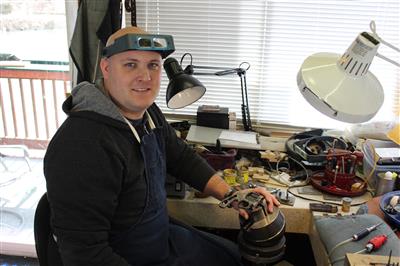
{"points": [[163, 44]]}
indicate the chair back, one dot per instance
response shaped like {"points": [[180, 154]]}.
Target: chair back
{"points": [[46, 246]]}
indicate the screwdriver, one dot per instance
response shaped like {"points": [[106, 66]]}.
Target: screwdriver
{"points": [[375, 243], [365, 232]]}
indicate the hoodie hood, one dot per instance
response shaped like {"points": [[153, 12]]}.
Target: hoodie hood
{"points": [[92, 97]]}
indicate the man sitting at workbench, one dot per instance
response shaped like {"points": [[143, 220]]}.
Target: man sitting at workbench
{"points": [[106, 168]]}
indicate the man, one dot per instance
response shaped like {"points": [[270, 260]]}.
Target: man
{"points": [[106, 166]]}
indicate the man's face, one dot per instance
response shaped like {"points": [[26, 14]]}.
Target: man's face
{"points": [[132, 79]]}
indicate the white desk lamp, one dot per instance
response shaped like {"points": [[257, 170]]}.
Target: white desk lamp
{"points": [[342, 87]]}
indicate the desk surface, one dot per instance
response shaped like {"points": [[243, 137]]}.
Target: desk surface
{"points": [[205, 212]]}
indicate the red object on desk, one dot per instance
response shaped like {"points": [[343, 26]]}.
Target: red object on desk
{"points": [[376, 243], [319, 181], [339, 175]]}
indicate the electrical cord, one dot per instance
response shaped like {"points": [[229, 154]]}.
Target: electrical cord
{"points": [[342, 258], [360, 235], [373, 244], [322, 201], [278, 172], [305, 183], [308, 177], [281, 183], [339, 245]]}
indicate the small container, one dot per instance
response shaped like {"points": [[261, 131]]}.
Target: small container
{"points": [[346, 204], [230, 176], [369, 164], [385, 183], [243, 176]]}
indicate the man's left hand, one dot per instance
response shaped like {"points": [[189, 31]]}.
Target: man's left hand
{"points": [[269, 198]]}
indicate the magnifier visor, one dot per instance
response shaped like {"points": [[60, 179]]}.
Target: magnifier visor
{"points": [[163, 44]]}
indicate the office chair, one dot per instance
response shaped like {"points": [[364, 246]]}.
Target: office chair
{"points": [[46, 246]]}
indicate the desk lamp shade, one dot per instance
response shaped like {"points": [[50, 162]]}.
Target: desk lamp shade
{"points": [[183, 89], [342, 87]]}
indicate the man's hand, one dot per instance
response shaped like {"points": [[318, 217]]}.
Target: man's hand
{"points": [[269, 198]]}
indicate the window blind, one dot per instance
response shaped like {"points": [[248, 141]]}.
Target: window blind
{"points": [[274, 37]]}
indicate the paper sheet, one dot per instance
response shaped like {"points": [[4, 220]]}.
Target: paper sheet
{"points": [[240, 136]]}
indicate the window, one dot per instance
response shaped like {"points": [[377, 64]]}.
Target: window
{"points": [[34, 77], [34, 70], [274, 37]]}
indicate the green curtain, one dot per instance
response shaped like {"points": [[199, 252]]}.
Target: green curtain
{"points": [[96, 20]]}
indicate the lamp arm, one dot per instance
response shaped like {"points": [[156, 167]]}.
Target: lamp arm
{"points": [[208, 67], [376, 36], [387, 59], [190, 69], [238, 71], [245, 104], [372, 26], [241, 72]]}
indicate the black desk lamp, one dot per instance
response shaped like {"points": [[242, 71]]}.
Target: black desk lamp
{"points": [[183, 89]]}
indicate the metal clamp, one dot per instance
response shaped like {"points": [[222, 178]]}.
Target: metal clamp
{"points": [[246, 200]]}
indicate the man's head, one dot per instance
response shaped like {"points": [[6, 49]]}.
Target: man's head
{"points": [[131, 68]]}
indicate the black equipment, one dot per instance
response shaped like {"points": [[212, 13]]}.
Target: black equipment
{"points": [[213, 116], [175, 188], [311, 148], [261, 238]]}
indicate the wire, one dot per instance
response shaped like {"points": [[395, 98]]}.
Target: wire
{"points": [[342, 258], [308, 177], [356, 237], [272, 170], [245, 63], [183, 56], [338, 245], [130, 6], [278, 172], [373, 244]]}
